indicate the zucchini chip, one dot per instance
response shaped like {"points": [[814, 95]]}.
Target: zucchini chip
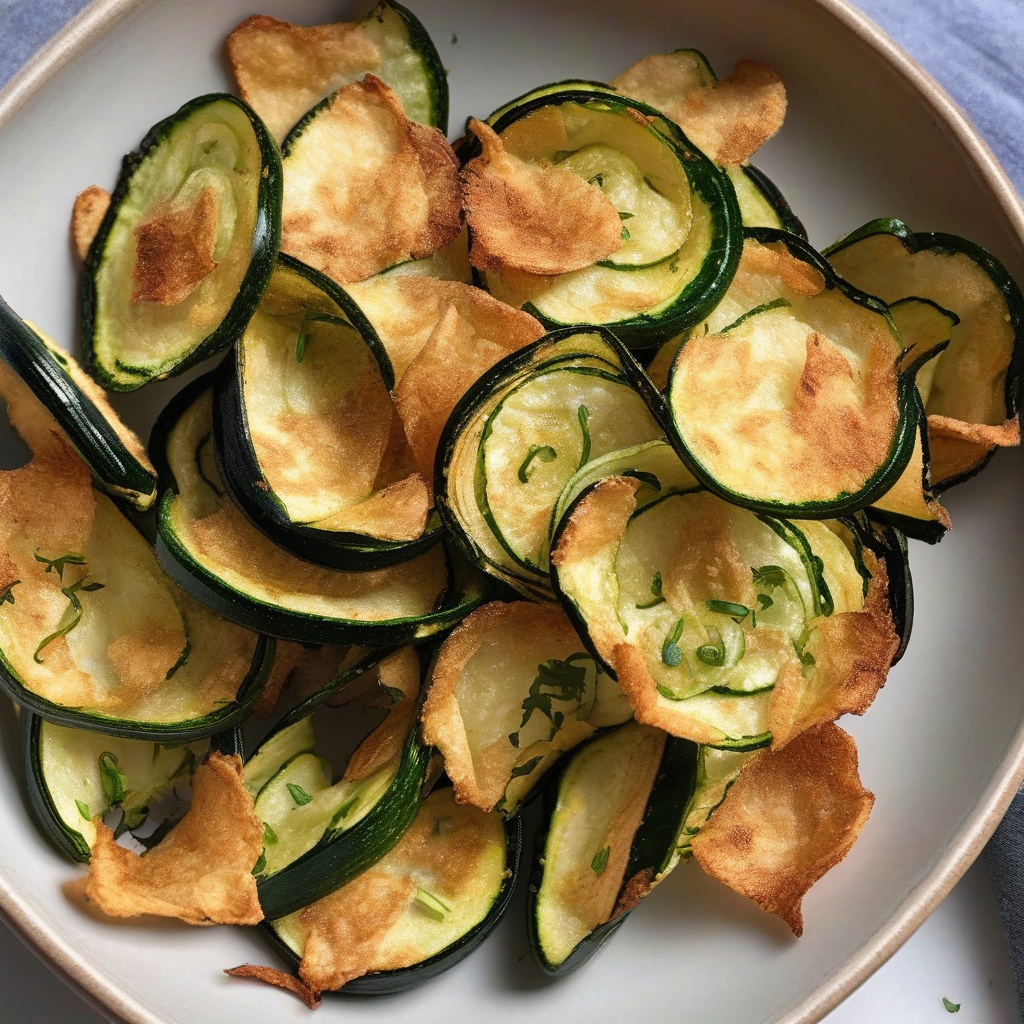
{"points": [[306, 431], [612, 830], [791, 399], [319, 834], [283, 70], [519, 435], [511, 690], [87, 215], [76, 776], [212, 551], [729, 120], [109, 447], [722, 626], [365, 187], [538, 218], [201, 872], [679, 231], [792, 815], [187, 246], [762, 205], [417, 912], [92, 633], [971, 392]]}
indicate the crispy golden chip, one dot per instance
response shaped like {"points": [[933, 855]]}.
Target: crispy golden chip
{"points": [[86, 216], [852, 653], [365, 188], [279, 979], [958, 448], [174, 251], [201, 873], [790, 816], [283, 70], [472, 707], [541, 219], [729, 120], [459, 350]]}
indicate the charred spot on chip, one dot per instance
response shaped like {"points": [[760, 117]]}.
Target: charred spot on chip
{"points": [[174, 251]]}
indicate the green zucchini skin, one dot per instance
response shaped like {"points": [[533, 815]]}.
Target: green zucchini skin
{"points": [[900, 451], [41, 802], [492, 380], [650, 855], [186, 731], [388, 982], [335, 861], [86, 426], [775, 199], [700, 296], [466, 589], [266, 241], [248, 486], [889, 544], [916, 241]]}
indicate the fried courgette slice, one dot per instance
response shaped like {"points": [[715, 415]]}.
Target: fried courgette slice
{"points": [[187, 246], [972, 392], [217, 555]]}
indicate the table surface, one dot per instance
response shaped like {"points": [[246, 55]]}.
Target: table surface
{"points": [[959, 952]]}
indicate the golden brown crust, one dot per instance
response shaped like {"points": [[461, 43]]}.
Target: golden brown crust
{"points": [[598, 520], [283, 70], [279, 979], [383, 189], [286, 657], [540, 219], [174, 251], [468, 339], [852, 653], [87, 214], [729, 120], [201, 872], [957, 448], [789, 817]]}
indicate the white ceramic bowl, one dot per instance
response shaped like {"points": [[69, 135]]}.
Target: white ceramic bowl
{"points": [[868, 134]]}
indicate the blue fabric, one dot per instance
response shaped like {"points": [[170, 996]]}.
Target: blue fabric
{"points": [[975, 49]]}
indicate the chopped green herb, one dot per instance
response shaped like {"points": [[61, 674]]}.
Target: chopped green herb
{"points": [[625, 216], [299, 795], [526, 767], [540, 452], [583, 415], [112, 778], [625, 234], [269, 835], [764, 601], [666, 692], [73, 614], [673, 267], [950, 1006], [738, 612], [7, 596], [222, 700], [597, 179], [260, 866], [671, 654], [556, 680], [659, 597], [346, 808], [83, 810], [712, 654], [771, 576], [435, 907], [600, 861], [58, 564], [180, 663]]}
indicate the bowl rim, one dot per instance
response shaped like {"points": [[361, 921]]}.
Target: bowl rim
{"points": [[94, 22]]}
